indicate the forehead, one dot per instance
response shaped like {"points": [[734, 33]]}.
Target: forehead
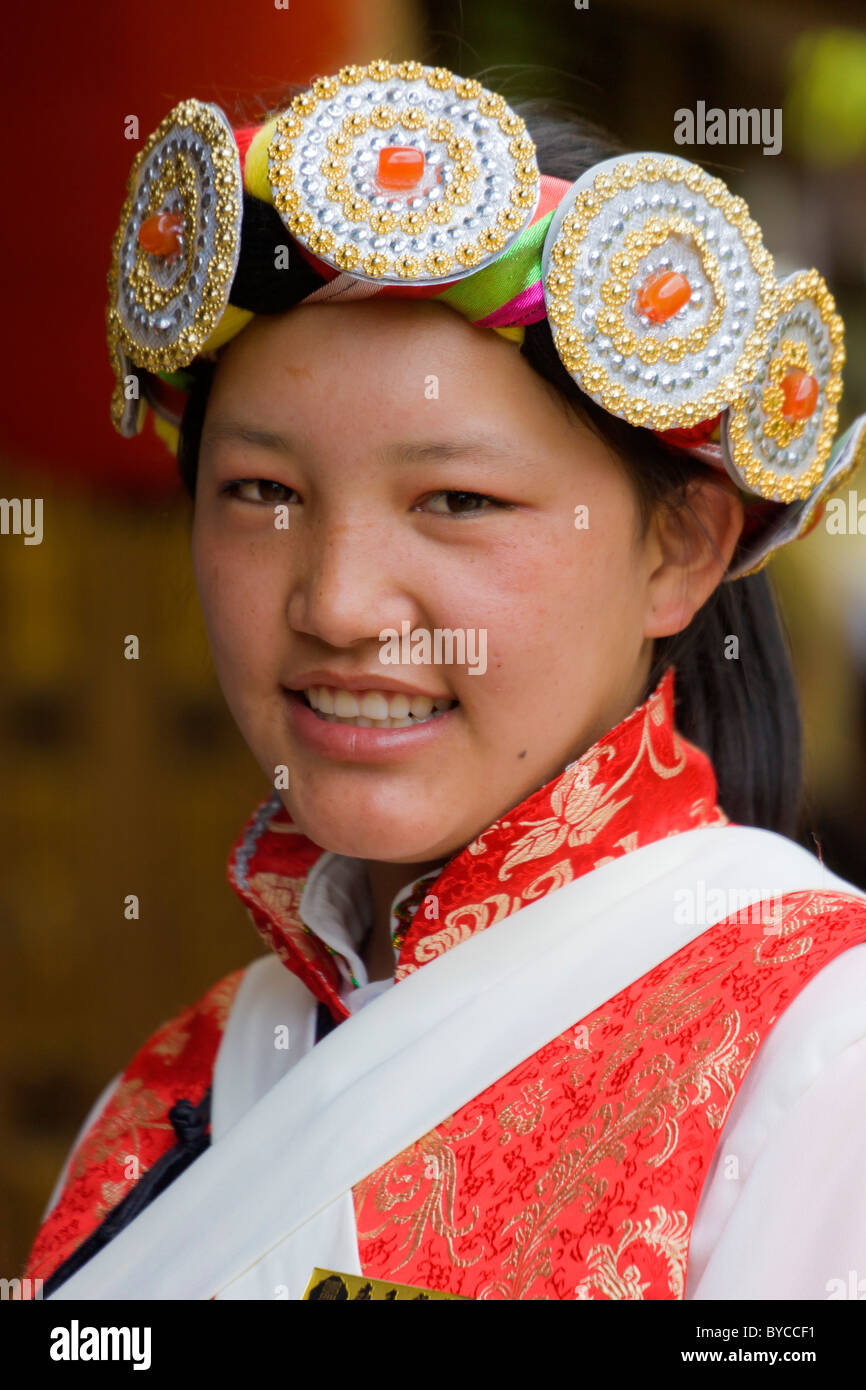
{"points": [[394, 368], [385, 339]]}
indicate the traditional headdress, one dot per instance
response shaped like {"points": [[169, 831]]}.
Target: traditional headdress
{"points": [[404, 180]]}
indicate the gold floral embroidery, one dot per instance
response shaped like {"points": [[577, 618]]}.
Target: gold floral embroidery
{"points": [[643, 1092], [626, 843], [218, 1001], [435, 1154], [477, 846], [573, 1177], [725, 1068], [701, 814], [582, 808], [523, 1116], [462, 923], [172, 1043], [582, 802], [653, 1101], [278, 894], [132, 1107], [579, 1040], [555, 877], [813, 905], [669, 1235], [671, 1007]]}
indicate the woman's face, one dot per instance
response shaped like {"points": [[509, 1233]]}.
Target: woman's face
{"points": [[386, 465]]}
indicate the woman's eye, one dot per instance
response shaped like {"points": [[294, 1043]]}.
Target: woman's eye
{"points": [[464, 503], [257, 490]]}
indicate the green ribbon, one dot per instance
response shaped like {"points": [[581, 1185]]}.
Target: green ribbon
{"points": [[514, 271]]}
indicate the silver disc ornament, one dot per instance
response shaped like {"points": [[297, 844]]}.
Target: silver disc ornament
{"points": [[176, 248], [397, 172], [658, 289], [777, 436]]}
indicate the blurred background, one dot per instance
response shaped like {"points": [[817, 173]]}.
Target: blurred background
{"points": [[124, 777]]}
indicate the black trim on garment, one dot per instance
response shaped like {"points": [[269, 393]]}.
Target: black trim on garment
{"points": [[191, 1125], [325, 1021]]}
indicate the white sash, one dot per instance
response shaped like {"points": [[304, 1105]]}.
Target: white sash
{"points": [[272, 1196]]}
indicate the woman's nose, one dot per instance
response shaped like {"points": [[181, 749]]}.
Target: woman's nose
{"points": [[346, 586]]}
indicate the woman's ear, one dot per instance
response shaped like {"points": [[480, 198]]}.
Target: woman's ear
{"points": [[691, 547]]}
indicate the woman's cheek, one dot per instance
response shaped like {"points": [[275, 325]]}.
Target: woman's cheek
{"points": [[228, 605]]}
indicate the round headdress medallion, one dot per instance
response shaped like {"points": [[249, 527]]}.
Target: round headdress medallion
{"points": [[397, 172]]}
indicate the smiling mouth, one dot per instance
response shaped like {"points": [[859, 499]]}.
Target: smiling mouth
{"points": [[372, 709]]}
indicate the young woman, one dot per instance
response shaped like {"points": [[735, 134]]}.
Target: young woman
{"points": [[555, 1008]]}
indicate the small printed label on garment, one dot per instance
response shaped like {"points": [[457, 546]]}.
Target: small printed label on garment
{"points": [[330, 1283]]}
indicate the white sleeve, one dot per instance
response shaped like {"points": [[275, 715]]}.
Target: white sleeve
{"points": [[92, 1115], [783, 1211]]}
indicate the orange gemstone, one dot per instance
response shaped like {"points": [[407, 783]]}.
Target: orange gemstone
{"points": [[800, 391], [160, 235], [662, 295], [400, 166]]}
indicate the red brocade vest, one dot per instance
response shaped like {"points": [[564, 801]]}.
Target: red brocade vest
{"points": [[578, 1173]]}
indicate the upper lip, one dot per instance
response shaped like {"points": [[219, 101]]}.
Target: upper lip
{"points": [[363, 682]]}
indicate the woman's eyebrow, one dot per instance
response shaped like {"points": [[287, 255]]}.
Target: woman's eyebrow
{"points": [[440, 451], [406, 451], [218, 430]]}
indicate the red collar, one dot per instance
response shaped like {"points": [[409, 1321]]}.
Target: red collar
{"points": [[641, 782]]}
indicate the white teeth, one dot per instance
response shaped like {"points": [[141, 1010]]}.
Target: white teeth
{"points": [[374, 704], [346, 704], [374, 708]]}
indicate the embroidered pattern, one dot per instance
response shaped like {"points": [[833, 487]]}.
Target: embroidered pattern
{"points": [[134, 1130], [665, 1232], [393, 1191], [605, 1159], [583, 818]]}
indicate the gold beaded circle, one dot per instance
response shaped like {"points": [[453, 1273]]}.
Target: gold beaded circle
{"points": [[478, 190], [608, 231], [162, 310], [774, 456]]}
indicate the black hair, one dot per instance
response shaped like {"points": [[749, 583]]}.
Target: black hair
{"points": [[743, 709]]}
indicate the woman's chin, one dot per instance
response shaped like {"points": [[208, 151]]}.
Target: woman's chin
{"points": [[365, 834]]}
